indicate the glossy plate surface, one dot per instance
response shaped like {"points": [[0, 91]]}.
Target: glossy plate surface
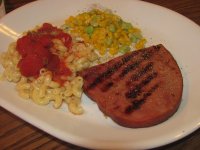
{"points": [[160, 25]]}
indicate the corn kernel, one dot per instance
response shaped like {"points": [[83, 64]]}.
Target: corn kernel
{"points": [[113, 51], [102, 51], [106, 26], [140, 44]]}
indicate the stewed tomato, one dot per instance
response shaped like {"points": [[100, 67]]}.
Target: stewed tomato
{"points": [[35, 50]]}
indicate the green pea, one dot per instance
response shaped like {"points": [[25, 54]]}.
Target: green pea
{"points": [[89, 30], [112, 28], [133, 38], [124, 49], [126, 25], [138, 35]]}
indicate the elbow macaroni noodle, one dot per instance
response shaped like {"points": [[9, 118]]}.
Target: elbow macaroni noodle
{"points": [[43, 90]]}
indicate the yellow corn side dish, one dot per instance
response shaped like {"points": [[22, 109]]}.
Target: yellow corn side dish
{"points": [[106, 31]]}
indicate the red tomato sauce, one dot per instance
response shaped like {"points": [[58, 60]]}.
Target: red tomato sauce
{"points": [[35, 50]]}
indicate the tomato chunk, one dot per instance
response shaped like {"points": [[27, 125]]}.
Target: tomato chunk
{"points": [[25, 45], [30, 65], [54, 62], [35, 49]]}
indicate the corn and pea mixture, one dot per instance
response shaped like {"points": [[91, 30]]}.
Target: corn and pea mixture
{"points": [[106, 31]]}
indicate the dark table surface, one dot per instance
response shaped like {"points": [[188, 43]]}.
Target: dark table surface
{"points": [[17, 134]]}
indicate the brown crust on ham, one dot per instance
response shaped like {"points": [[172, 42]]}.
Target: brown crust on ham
{"points": [[139, 89]]}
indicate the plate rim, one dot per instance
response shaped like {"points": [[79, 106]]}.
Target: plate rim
{"points": [[9, 107]]}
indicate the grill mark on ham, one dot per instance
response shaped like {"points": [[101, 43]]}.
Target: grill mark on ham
{"points": [[144, 95], [133, 66], [129, 68], [133, 93], [136, 104], [107, 86], [111, 70], [141, 72]]}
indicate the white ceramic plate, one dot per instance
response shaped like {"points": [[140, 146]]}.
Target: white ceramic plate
{"points": [[160, 25]]}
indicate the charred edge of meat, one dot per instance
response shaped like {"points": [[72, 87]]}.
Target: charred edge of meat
{"points": [[118, 64], [86, 76], [157, 47], [133, 93], [129, 57], [111, 70], [107, 86], [105, 74], [141, 72], [136, 104], [148, 53]]}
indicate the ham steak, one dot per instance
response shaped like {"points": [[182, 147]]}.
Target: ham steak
{"points": [[139, 89]]}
